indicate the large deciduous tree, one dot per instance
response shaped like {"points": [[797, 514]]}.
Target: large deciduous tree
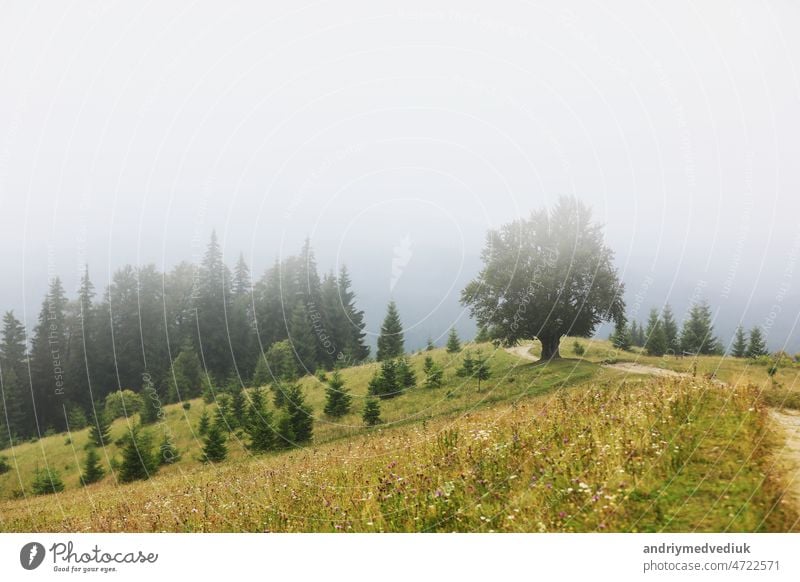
{"points": [[546, 276]]}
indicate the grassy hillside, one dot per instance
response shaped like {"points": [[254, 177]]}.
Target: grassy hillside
{"points": [[567, 446], [512, 377]]}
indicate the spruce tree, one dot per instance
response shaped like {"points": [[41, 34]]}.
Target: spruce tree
{"points": [[756, 346], [656, 342], [405, 374], [453, 343], [739, 347], [138, 460], [204, 424], [390, 341], [224, 414], [241, 278], [284, 432], [480, 370], [467, 366], [213, 303], [46, 481], [100, 428], [621, 338], [386, 382], [697, 335], [429, 347], [92, 469], [300, 414], [259, 424], [168, 453], [355, 349], [214, 448], [372, 412], [434, 374], [337, 397], [670, 330], [151, 405], [13, 370]]}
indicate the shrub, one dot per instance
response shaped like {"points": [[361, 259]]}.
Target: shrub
{"points": [[46, 481], [187, 405], [578, 348], [372, 412], [138, 461], [123, 403], [92, 469], [4, 467]]}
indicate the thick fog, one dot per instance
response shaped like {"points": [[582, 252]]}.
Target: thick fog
{"points": [[394, 137]]}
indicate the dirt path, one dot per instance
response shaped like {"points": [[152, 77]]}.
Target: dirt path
{"points": [[633, 368], [789, 423], [522, 352]]}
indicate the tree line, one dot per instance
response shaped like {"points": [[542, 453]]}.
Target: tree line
{"points": [[181, 332], [661, 335]]}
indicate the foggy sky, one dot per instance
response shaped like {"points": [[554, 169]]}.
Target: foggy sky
{"points": [[395, 137]]}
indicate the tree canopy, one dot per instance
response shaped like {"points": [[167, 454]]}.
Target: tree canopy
{"points": [[545, 277]]}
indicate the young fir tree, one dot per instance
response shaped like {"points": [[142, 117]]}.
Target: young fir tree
{"points": [[138, 460], [429, 347], [259, 424], [390, 341], [633, 333], [168, 453], [386, 382], [739, 347], [434, 376], [337, 397], [284, 432], [100, 429], [214, 448], [670, 330], [405, 374], [46, 481], [453, 343], [756, 346], [697, 335], [621, 338], [300, 414], [204, 424], [372, 412], [92, 469], [238, 402], [151, 405], [223, 416], [467, 366], [656, 342], [480, 370]]}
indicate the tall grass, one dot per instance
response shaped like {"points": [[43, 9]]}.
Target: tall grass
{"points": [[650, 455]]}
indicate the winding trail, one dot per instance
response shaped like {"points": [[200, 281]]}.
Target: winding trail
{"points": [[522, 352], [788, 421]]}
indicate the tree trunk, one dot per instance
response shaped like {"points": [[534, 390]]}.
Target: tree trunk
{"points": [[550, 348]]}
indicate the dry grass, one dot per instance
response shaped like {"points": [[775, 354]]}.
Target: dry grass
{"points": [[647, 455]]}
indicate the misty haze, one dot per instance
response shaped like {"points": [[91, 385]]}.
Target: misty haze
{"points": [[233, 231]]}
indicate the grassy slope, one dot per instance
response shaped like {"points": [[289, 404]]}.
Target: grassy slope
{"points": [[511, 378], [475, 463]]}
